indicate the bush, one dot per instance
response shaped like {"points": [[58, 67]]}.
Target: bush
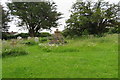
{"points": [[23, 35], [45, 47], [7, 36], [30, 42], [43, 34], [114, 30], [44, 39], [13, 51], [4, 36]]}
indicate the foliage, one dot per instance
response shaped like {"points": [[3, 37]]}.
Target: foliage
{"points": [[23, 35], [4, 36], [36, 16], [9, 50], [0, 20], [5, 20], [114, 30], [29, 42], [7, 36], [92, 18], [43, 34], [45, 47], [43, 39]]}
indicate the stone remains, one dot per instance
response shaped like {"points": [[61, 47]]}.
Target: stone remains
{"points": [[36, 39], [91, 36], [19, 38], [57, 38], [3, 41], [13, 42], [29, 38]]}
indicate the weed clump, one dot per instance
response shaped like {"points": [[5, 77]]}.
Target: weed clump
{"points": [[9, 50]]}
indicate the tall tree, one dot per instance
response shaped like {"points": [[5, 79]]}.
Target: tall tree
{"points": [[5, 18], [92, 17], [36, 16], [0, 22]]}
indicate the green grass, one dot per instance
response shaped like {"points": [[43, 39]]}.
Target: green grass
{"points": [[80, 58], [0, 59]]}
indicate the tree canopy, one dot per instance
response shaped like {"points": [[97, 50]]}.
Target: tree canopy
{"points": [[92, 18], [5, 18], [35, 16]]}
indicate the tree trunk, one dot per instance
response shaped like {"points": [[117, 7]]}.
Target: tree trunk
{"points": [[31, 33]]}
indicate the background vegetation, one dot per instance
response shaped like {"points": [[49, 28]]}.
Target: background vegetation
{"points": [[94, 18]]}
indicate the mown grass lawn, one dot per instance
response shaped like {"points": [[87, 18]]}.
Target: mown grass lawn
{"points": [[80, 58]]}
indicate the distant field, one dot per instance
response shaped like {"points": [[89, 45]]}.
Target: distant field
{"points": [[80, 58]]}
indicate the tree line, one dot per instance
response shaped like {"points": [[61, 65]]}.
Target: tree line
{"points": [[94, 18], [86, 17]]}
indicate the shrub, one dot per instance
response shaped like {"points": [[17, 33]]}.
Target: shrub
{"points": [[114, 30], [45, 47], [7, 36], [45, 34], [17, 50], [23, 35], [4, 36], [29, 42], [68, 37], [44, 39]]}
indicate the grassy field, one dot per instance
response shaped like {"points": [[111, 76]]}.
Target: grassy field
{"points": [[80, 58], [0, 59]]}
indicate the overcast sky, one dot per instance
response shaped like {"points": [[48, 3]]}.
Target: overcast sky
{"points": [[63, 6]]}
